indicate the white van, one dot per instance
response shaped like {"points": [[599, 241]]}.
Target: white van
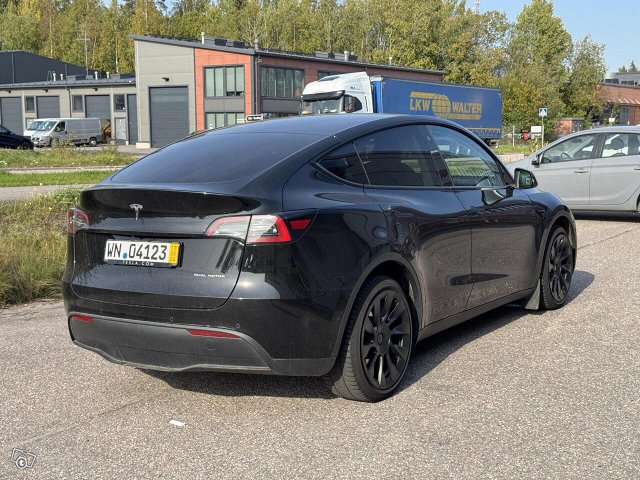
{"points": [[33, 126], [77, 131]]}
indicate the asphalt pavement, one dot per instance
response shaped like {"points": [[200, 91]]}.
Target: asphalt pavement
{"points": [[512, 394]]}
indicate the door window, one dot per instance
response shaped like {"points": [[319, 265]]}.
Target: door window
{"points": [[621, 145], [468, 163], [581, 147], [399, 157]]}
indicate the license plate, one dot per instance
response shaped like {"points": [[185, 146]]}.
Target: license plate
{"points": [[146, 254]]}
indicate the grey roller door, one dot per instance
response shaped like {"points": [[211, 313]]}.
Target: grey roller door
{"points": [[97, 106], [132, 109], [169, 111], [48, 107], [11, 114]]}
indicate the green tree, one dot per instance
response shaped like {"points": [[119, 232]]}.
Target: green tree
{"points": [[19, 32], [587, 69], [633, 68], [536, 68]]}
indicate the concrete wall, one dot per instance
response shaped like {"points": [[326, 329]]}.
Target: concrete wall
{"points": [[65, 98], [154, 63]]}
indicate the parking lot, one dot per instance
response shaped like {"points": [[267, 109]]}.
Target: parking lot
{"points": [[512, 394]]}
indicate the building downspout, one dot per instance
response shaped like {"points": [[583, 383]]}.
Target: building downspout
{"points": [[254, 85]]}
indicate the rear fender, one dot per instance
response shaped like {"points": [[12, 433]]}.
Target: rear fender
{"points": [[415, 296]]}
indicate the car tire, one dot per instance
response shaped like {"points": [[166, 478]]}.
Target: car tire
{"points": [[376, 345], [557, 270], [93, 142], [25, 146]]}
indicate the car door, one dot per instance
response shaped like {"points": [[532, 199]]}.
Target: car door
{"points": [[564, 168], [615, 174], [6, 139], [427, 223], [503, 220]]}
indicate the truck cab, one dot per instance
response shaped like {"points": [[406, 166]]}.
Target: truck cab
{"points": [[344, 93]]}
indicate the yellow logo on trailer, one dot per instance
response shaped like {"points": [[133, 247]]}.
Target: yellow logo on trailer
{"points": [[441, 106]]}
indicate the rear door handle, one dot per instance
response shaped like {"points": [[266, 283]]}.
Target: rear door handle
{"points": [[637, 168], [582, 170]]}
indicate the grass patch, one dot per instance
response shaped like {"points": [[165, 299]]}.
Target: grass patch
{"points": [[58, 178], [63, 157], [33, 240], [523, 149]]}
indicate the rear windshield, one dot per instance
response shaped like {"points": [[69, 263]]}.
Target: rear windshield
{"points": [[215, 157]]}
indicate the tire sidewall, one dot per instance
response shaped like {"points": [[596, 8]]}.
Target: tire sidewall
{"points": [[370, 391]]}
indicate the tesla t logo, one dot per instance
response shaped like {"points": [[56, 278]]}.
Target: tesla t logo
{"points": [[136, 207]]}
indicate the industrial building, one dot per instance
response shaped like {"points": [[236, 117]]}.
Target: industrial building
{"points": [[181, 86]]}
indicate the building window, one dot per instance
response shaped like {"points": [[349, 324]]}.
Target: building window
{"points": [[281, 82], [224, 81], [324, 74], [118, 103], [29, 104], [77, 104], [220, 119]]}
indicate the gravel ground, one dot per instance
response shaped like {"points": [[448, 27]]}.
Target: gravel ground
{"points": [[512, 394]]}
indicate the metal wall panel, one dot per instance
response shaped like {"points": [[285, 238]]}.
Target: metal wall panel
{"points": [[169, 113], [97, 106], [11, 114], [48, 107]]}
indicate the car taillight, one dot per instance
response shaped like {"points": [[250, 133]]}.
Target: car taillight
{"points": [[251, 229], [76, 220], [82, 318]]}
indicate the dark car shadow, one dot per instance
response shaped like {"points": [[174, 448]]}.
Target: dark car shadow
{"points": [[427, 355], [630, 217]]}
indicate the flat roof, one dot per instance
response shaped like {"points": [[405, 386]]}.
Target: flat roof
{"points": [[100, 82], [276, 53]]}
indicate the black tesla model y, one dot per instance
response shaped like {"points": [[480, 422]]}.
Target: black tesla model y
{"points": [[324, 245]]}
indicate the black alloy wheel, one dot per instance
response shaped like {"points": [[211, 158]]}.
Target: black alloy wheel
{"points": [[385, 338], [377, 343], [558, 270]]}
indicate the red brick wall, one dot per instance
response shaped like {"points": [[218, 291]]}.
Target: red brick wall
{"points": [[311, 69], [212, 58]]}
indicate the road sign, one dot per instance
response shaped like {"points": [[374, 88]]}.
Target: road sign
{"points": [[542, 112], [254, 118], [536, 128]]}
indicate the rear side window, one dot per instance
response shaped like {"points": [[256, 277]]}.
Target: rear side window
{"points": [[344, 163], [468, 163], [218, 156], [399, 157]]}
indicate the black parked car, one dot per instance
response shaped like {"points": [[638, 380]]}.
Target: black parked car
{"points": [[8, 139], [323, 245]]}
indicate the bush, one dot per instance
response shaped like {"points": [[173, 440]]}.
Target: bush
{"points": [[33, 246]]}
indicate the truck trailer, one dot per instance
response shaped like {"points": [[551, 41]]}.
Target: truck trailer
{"points": [[478, 109]]}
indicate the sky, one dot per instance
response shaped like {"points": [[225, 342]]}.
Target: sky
{"points": [[614, 23]]}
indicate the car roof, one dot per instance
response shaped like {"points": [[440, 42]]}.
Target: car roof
{"points": [[607, 129], [326, 124]]}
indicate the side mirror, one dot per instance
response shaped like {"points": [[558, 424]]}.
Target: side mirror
{"points": [[525, 179], [349, 104], [538, 159]]}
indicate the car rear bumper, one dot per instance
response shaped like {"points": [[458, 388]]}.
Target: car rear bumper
{"points": [[167, 347]]}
